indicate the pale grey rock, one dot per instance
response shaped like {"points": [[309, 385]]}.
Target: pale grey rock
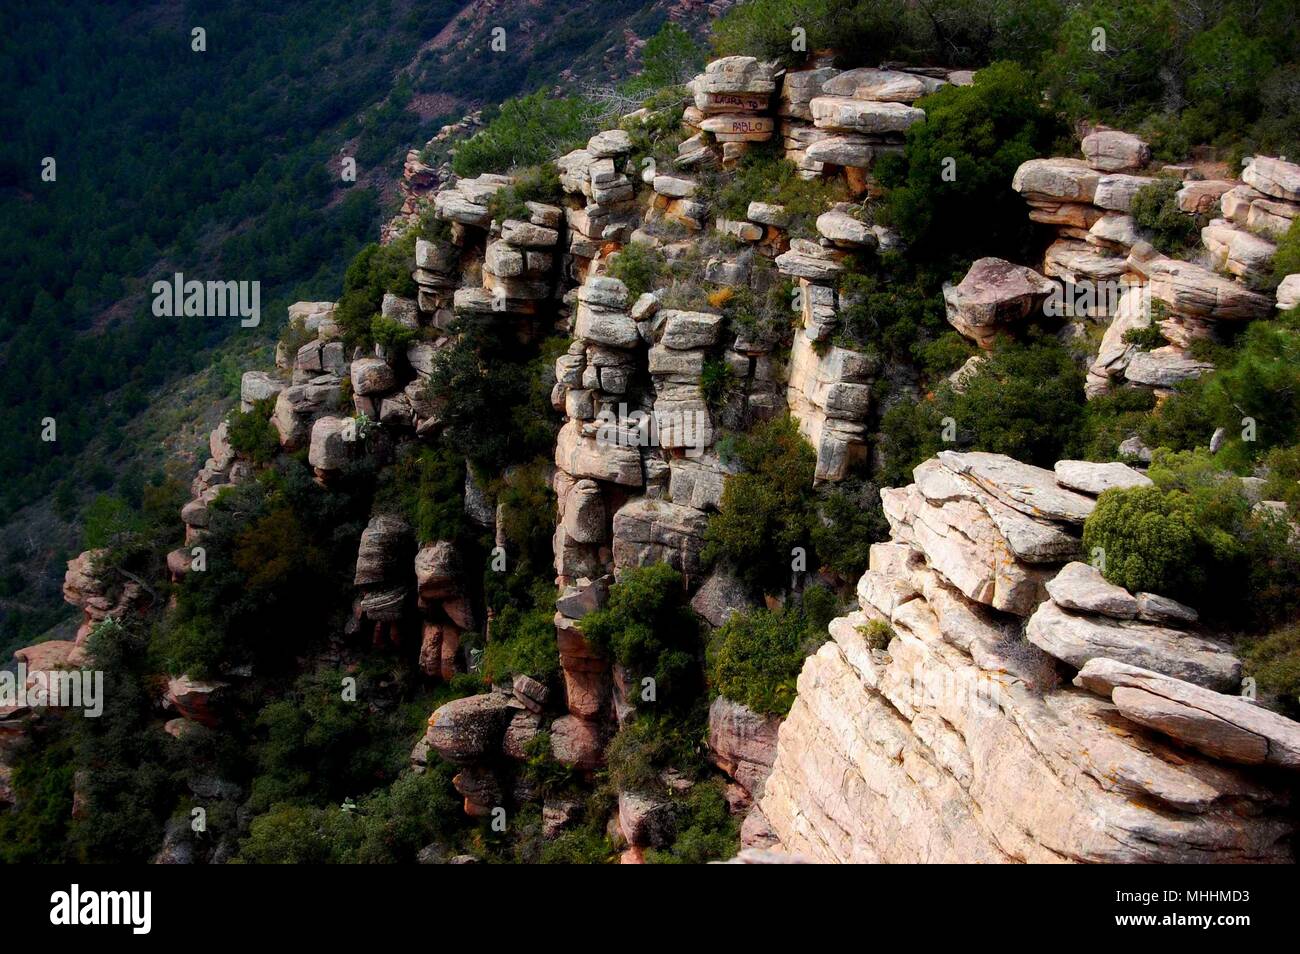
{"points": [[1088, 477]]}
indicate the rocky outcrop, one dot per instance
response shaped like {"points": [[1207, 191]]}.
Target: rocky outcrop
{"points": [[923, 750]]}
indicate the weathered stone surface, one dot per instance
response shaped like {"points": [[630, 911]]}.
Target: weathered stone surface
{"points": [[829, 397], [577, 742], [467, 730], [844, 149], [683, 330], [1203, 196], [722, 595], [799, 88], [602, 326], [1223, 726], [1274, 177], [808, 260], [1081, 587], [1237, 251], [1189, 289], [645, 820], [1088, 477], [675, 186], [648, 531], [883, 86], [585, 519], [841, 227], [742, 743], [876, 763], [257, 386], [1164, 367], [1116, 191], [736, 74], [855, 115], [330, 446], [1071, 180], [383, 551], [1288, 293], [1031, 490], [1076, 639], [583, 456], [994, 294], [437, 570], [372, 376], [1110, 150]]}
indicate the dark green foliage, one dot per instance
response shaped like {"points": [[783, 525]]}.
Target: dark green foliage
{"points": [[426, 485], [988, 129], [539, 183], [866, 32], [1155, 208], [648, 629], [275, 547], [1286, 260], [638, 266], [851, 519], [251, 433], [1258, 380], [387, 826], [670, 58], [1110, 419], [766, 510], [1194, 537], [314, 745], [764, 176], [496, 394], [756, 656], [706, 829], [523, 641], [892, 306], [34, 830], [376, 269], [1025, 400], [526, 131], [1274, 663], [717, 382], [649, 744]]}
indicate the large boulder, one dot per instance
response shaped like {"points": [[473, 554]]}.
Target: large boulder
{"points": [[467, 730], [994, 295], [1110, 150], [385, 544]]}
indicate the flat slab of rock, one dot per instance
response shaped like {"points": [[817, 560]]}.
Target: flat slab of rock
{"points": [[1096, 479], [1080, 586], [881, 86], [1164, 367], [855, 115], [1076, 639], [1071, 180], [1224, 726], [1023, 487]]}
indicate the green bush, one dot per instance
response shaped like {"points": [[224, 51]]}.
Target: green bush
{"points": [[1286, 260], [647, 628], [1155, 209], [638, 266], [988, 130], [376, 269], [755, 657], [1195, 537], [252, 434], [768, 509], [649, 744], [706, 829], [526, 131], [850, 519], [539, 183], [1024, 400], [1274, 663]]}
